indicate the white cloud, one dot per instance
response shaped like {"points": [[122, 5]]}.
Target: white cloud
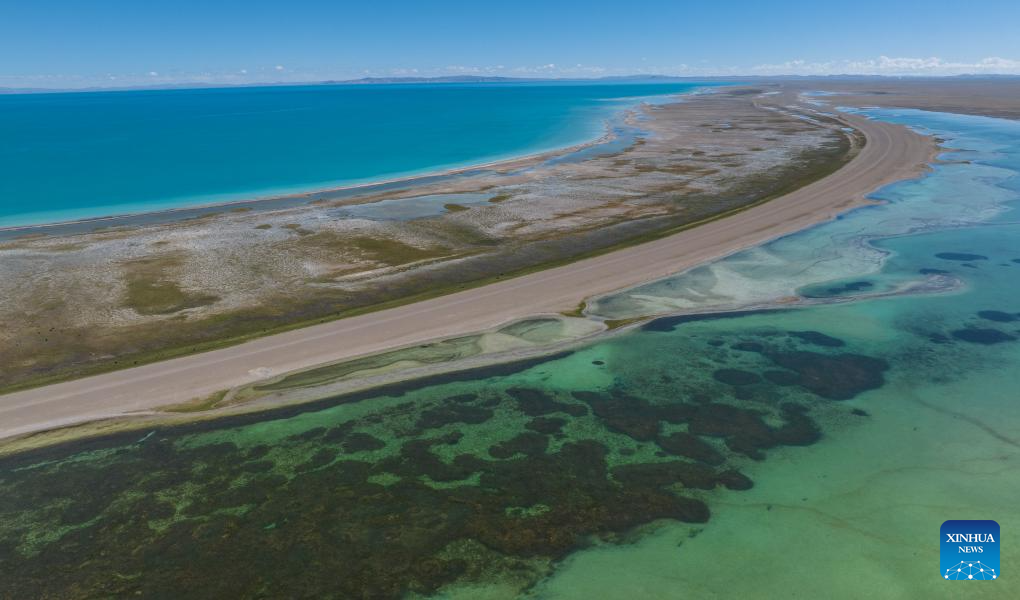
{"points": [[885, 65], [278, 67], [462, 70]]}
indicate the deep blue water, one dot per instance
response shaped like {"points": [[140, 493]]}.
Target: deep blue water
{"points": [[82, 155]]}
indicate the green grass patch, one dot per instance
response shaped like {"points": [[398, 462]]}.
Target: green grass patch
{"points": [[387, 251], [578, 311], [618, 323], [392, 252], [150, 290], [198, 404]]}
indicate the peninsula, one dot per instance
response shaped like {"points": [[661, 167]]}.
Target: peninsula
{"points": [[891, 153]]}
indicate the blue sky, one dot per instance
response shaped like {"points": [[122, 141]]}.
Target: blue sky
{"points": [[73, 43]]}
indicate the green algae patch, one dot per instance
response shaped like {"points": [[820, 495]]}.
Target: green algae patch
{"points": [[455, 208], [384, 479], [524, 512]]}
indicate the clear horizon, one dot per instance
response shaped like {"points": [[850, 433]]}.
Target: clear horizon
{"points": [[113, 43]]}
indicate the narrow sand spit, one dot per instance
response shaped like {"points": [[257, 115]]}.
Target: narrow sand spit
{"points": [[892, 153]]}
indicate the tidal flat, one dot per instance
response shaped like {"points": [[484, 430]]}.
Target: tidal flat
{"points": [[85, 302], [837, 434]]}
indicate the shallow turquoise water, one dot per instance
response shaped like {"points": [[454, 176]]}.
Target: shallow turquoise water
{"points": [[959, 194], [81, 155], [695, 457], [928, 282], [409, 209]]}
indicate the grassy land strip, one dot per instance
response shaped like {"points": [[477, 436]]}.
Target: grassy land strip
{"points": [[236, 328]]}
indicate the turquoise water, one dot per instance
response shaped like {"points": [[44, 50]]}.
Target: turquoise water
{"points": [[841, 254], [811, 451], [83, 155], [857, 514]]}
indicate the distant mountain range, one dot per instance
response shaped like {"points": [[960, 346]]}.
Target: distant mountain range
{"points": [[493, 79], [445, 79], [362, 81]]}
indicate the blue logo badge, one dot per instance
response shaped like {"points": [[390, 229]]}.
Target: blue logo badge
{"points": [[969, 550]]}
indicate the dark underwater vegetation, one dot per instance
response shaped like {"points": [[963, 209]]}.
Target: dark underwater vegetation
{"points": [[421, 487]]}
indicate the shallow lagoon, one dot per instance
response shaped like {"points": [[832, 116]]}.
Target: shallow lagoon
{"points": [[750, 454], [409, 209]]}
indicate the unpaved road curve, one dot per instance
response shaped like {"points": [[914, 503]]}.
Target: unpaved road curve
{"points": [[892, 153]]}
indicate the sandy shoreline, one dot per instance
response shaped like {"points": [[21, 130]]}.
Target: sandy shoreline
{"points": [[892, 153]]}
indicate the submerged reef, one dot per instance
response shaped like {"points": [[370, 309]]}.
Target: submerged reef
{"points": [[960, 256], [982, 335]]}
